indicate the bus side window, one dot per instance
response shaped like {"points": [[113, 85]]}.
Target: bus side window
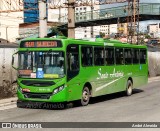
{"points": [[143, 56], [72, 61], [109, 56], [119, 56], [128, 56], [99, 56], [87, 56], [135, 56]]}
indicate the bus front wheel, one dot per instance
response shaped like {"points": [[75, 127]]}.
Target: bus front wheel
{"points": [[85, 96], [129, 88]]}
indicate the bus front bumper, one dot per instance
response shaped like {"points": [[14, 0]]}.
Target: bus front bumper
{"points": [[40, 105], [42, 97]]}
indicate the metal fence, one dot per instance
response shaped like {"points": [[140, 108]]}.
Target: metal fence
{"points": [[115, 12]]}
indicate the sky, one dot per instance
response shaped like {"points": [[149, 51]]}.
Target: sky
{"points": [[143, 24]]}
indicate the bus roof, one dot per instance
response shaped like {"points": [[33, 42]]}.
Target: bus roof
{"points": [[99, 41]]}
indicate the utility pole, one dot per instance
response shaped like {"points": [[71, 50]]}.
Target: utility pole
{"points": [[92, 18], [59, 15], [42, 18], [7, 33], [118, 26], [71, 19], [133, 21]]}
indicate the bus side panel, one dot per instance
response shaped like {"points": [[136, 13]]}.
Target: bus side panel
{"points": [[112, 82], [75, 87], [140, 75], [103, 79], [99, 79]]}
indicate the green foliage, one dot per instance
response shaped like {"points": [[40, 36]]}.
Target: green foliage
{"points": [[58, 31], [102, 34], [147, 36]]}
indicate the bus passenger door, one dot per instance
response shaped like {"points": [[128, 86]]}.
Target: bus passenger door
{"points": [[72, 68]]}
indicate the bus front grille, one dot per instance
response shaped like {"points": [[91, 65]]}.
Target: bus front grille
{"points": [[37, 95], [37, 83]]}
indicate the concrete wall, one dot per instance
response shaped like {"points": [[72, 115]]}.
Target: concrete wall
{"points": [[154, 63], [7, 74], [9, 25]]}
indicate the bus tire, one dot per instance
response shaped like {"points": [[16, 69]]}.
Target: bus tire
{"points": [[85, 97], [129, 88]]}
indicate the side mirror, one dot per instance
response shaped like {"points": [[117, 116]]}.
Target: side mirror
{"points": [[13, 59]]}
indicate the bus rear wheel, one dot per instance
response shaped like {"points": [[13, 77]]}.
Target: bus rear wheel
{"points": [[85, 96], [129, 88]]}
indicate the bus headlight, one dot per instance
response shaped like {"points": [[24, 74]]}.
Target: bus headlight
{"points": [[60, 88]]}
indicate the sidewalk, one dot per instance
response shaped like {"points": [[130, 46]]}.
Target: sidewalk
{"points": [[8, 101], [13, 100], [151, 79]]}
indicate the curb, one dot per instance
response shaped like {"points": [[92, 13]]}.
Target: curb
{"points": [[8, 102], [152, 79]]}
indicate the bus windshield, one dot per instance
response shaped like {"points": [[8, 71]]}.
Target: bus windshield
{"points": [[41, 64]]}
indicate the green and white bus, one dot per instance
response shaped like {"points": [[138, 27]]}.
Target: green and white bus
{"points": [[64, 70]]}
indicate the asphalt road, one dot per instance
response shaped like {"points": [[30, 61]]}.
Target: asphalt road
{"points": [[142, 106]]}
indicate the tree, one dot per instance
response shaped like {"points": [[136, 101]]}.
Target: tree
{"points": [[147, 36], [60, 31], [102, 34]]}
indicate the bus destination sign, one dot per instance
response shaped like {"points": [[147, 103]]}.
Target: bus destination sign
{"points": [[41, 44]]}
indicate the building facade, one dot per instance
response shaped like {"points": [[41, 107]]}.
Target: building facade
{"points": [[86, 32], [154, 30], [9, 21]]}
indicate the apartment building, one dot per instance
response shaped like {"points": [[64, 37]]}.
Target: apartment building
{"points": [[86, 32], [154, 29], [109, 29]]}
